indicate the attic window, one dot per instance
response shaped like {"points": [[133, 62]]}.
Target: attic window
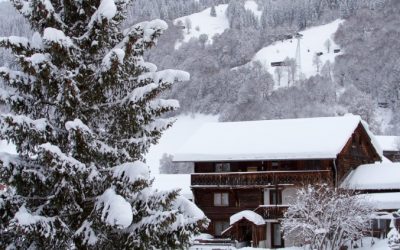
{"points": [[222, 167], [274, 164]]}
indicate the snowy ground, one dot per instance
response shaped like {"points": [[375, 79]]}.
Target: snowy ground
{"points": [[312, 42], [378, 244], [203, 23]]}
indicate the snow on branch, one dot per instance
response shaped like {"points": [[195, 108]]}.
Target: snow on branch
{"points": [[162, 104], [107, 10], [8, 120], [190, 213], [146, 29], [62, 160], [132, 171], [6, 160], [141, 36], [89, 236], [115, 210], [54, 36], [77, 124], [166, 76], [115, 56], [37, 59], [41, 13], [140, 93], [47, 226], [158, 81], [16, 77], [159, 125], [16, 44]]}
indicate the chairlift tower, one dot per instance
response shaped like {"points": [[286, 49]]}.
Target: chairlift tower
{"points": [[298, 36]]}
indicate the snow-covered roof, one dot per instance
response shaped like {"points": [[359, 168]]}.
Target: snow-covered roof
{"points": [[385, 175], [388, 143], [306, 138], [248, 215], [383, 201]]}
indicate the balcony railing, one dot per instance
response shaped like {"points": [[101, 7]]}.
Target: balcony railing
{"points": [[271, 212], [261, 178]]}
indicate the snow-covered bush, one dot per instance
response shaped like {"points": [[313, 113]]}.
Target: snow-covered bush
{"points": [[325, 218], [394, 233], [84, 109]]}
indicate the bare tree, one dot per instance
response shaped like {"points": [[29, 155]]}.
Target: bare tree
{"points": [[328, 45], [291, 68], [317, 62], [213, 12], [278, 73], [167, 166], [325, 218], [188, 25], [394, 233]]}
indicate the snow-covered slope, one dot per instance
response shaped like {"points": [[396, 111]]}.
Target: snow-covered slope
{"points": [[203, 23], [312, 42]]}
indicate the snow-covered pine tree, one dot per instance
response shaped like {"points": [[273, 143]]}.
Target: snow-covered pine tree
{"points": [[84, 108]]}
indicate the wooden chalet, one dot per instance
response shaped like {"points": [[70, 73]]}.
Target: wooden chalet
{"points": [[390, 146], [256, 166], [378, 183]]}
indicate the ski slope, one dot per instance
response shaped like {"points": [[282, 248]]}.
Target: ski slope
{"points": [[203, 23], [312, 42]]}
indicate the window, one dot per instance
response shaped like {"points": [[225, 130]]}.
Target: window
{"points": [[252, 169], [221, 199], [275, 197], [220, 226], [275, 164], [276, 235], [222, 167]]}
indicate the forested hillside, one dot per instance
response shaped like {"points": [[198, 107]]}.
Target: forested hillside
{"points": [[364, 79]]}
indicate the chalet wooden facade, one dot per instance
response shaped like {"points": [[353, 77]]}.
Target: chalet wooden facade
{"points": [[227, 181], [390, 146]]}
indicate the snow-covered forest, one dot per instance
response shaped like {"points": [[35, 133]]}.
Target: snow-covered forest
{"points": [[224, 83]]}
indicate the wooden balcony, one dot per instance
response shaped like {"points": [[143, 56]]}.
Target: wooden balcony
{"points": [[260, 178], [271, 212]]}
